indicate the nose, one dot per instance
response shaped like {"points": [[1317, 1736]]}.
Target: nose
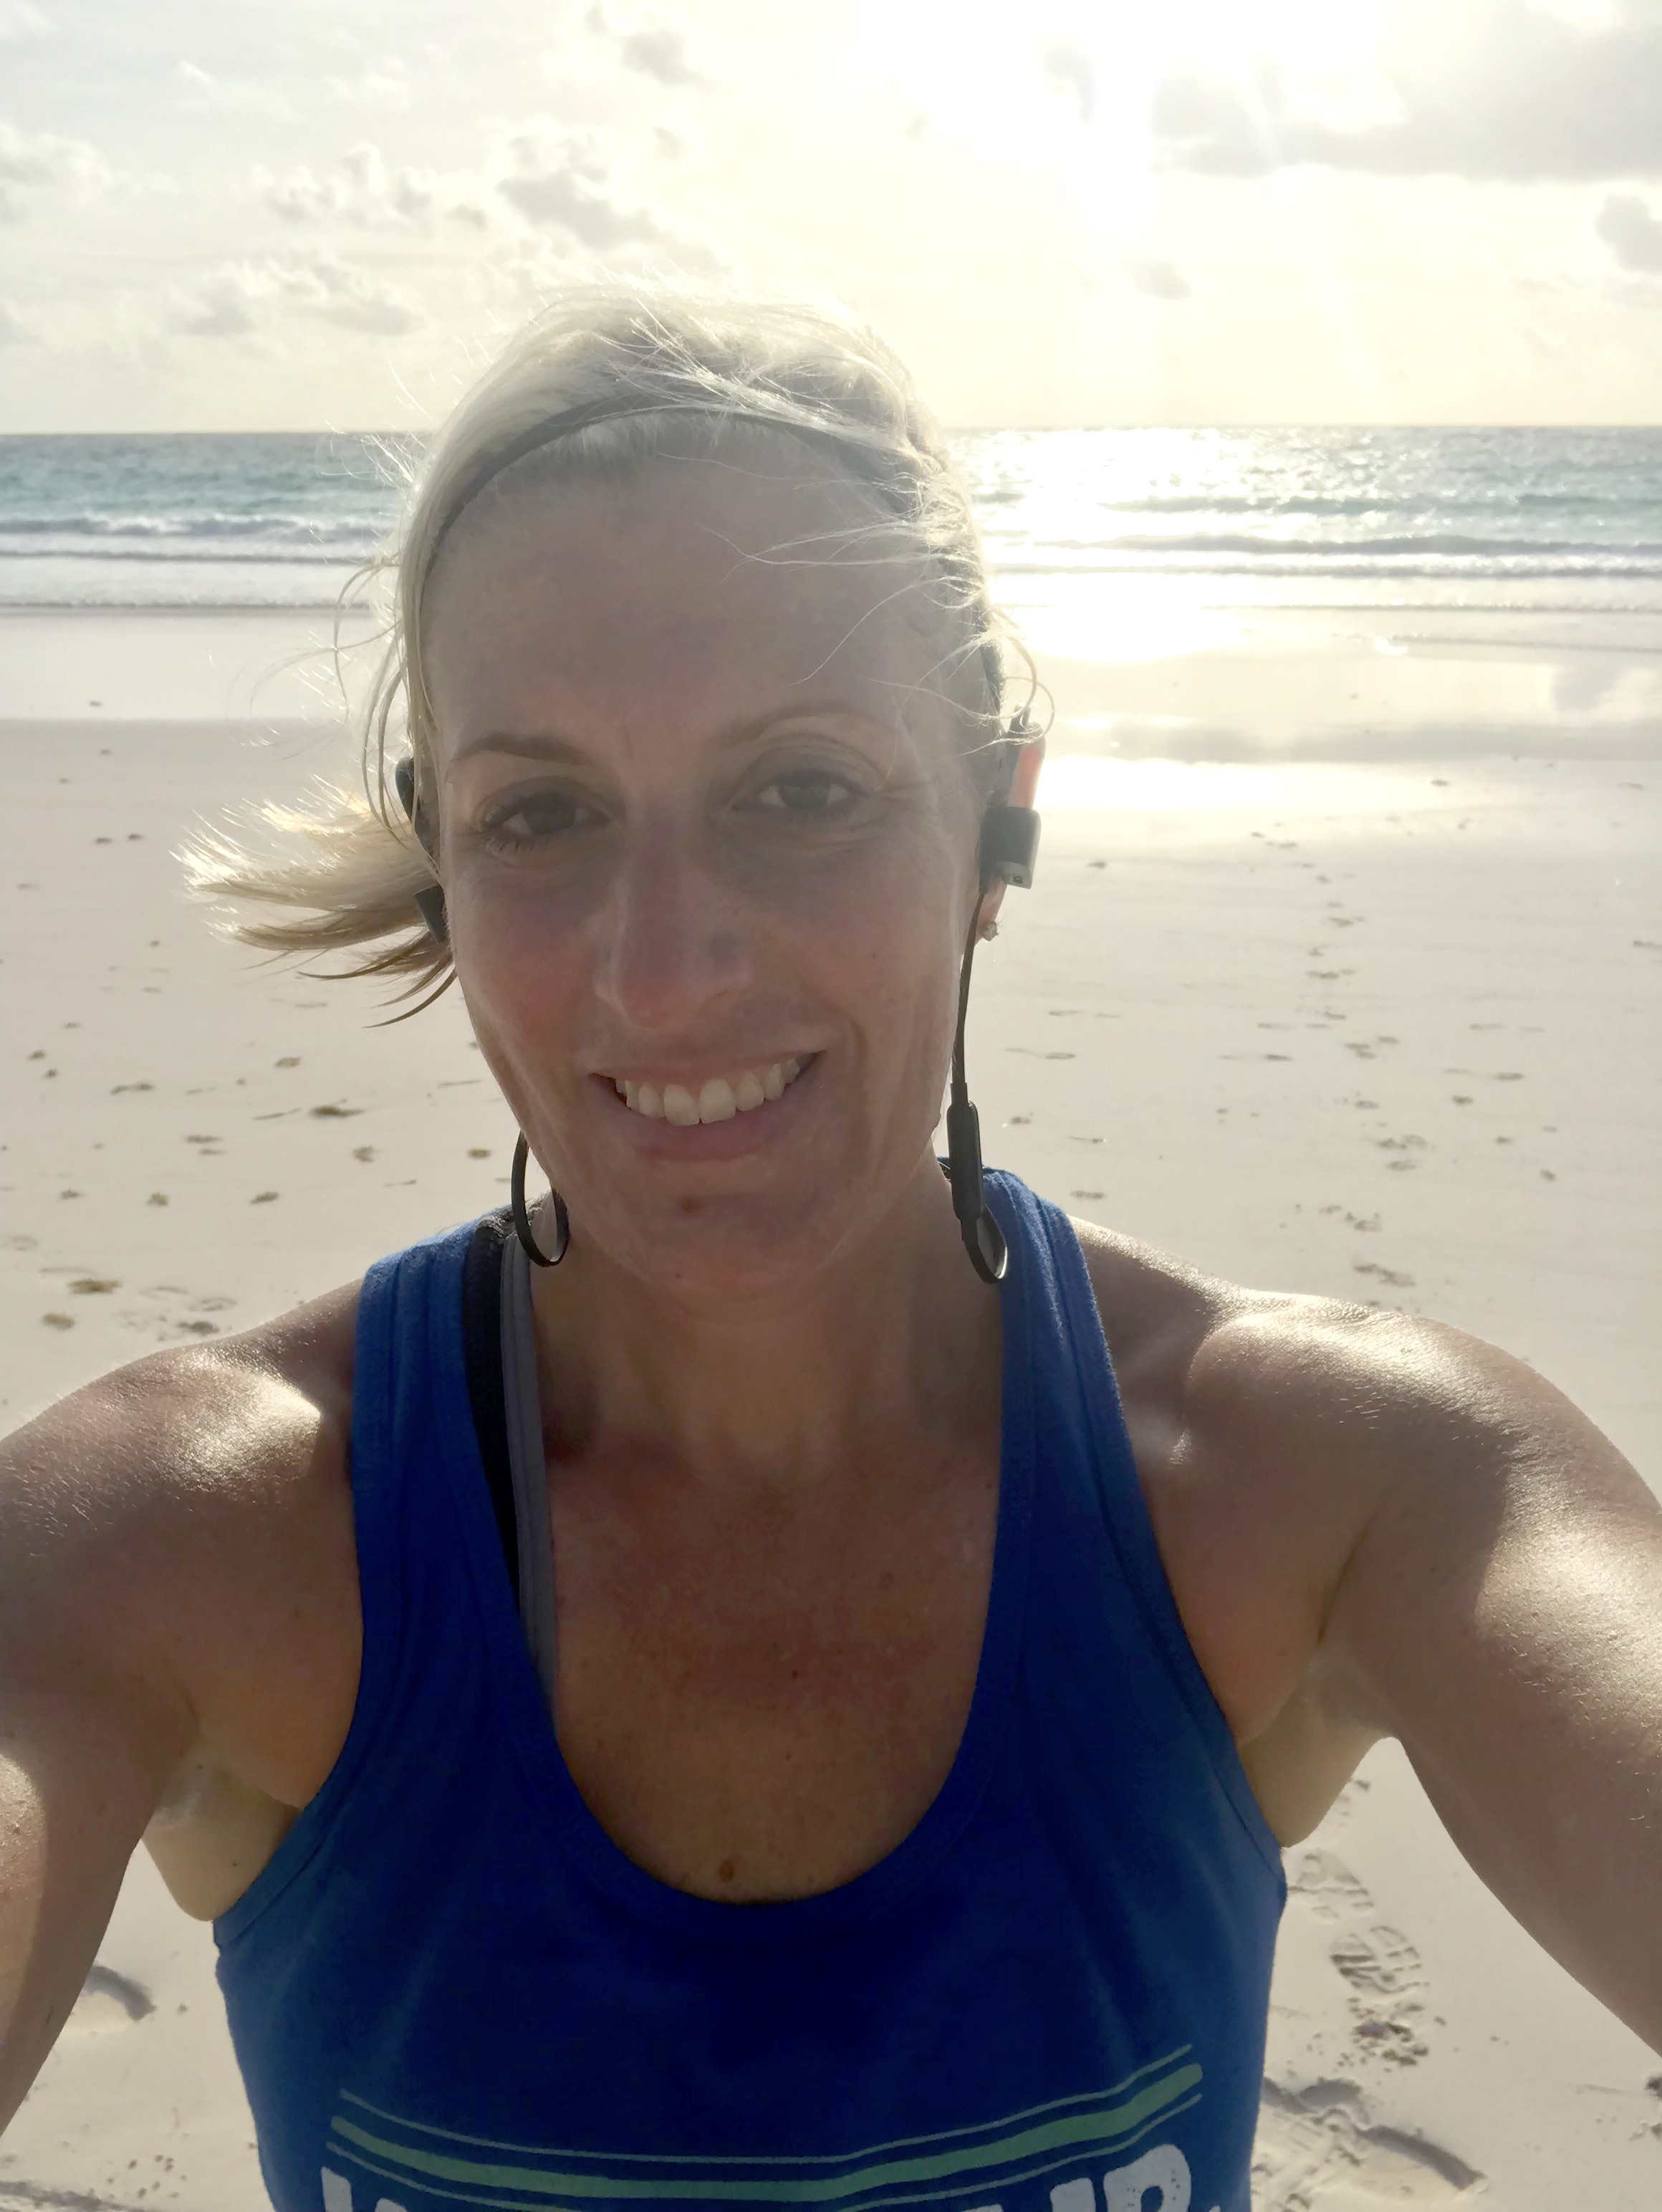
{"points": [[674, 946]]}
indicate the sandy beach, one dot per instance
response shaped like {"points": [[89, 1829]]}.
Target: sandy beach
{"points": [[1373, 1016]]}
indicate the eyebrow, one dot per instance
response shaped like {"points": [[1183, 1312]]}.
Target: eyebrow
{"points": [[525, 747], [549, 746]]}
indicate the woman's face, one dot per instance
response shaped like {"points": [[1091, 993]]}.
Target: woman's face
{"points": [[708, 852]]}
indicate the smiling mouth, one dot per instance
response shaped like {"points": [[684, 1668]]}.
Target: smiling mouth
{"points": [[717, 1100]]}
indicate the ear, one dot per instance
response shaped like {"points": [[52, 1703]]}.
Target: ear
{"points": [[1024, 785]]}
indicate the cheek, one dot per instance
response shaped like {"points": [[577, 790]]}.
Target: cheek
{"points": [[900, 945], [520, 962]]}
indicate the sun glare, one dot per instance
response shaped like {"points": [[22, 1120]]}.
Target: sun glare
{"points": [[1015, 77]]}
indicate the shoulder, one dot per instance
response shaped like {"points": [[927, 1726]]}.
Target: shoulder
{"points": [[203, 1426], [1331, 1486], [162, 1520], [1346, 1404]]}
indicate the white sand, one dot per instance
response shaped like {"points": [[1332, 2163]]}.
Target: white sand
{"points": [[1247, 1036]]}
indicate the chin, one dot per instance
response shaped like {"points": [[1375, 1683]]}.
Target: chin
{"points": [[725, 1249], [722, 1251]]}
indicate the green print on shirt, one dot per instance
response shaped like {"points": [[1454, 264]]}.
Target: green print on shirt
{"points": [[966, 2162]]}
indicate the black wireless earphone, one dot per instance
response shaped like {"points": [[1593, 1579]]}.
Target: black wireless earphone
{"points": [[429, 903], [1009, 847]]}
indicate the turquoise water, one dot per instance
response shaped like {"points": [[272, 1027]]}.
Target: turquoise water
{"points": [[1237, 518]]}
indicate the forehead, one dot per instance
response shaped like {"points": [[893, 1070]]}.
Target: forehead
{"points": [[688, 593]]}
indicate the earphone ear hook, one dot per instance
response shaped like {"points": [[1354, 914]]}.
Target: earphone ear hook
{"points": [[1008, 854], [429, 902]]}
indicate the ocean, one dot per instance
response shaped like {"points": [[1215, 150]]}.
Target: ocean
{"points": [[1077, 522]]}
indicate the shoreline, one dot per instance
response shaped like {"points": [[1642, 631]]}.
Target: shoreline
{"points": [[1247, 685]]}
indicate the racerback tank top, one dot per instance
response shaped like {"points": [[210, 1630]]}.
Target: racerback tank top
{"points": [[450, 1988]]}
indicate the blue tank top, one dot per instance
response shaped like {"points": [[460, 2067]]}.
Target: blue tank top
{"points": [[450, 1988]]}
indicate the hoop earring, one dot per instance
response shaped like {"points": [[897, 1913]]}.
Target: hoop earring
{"points": [[522, 1228]]}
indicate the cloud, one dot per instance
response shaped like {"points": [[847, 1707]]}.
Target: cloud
{"points": [[219, 307], [654, 47], [363, 191], [382, 85], [302, 197], [228, 303], [1069, 72], [567, 179], [1494, 90], [346, 295], [662, 53], [220, 95], [38, 162], [22, 24], [13, 331], [1155, 277], [1632, 233]]}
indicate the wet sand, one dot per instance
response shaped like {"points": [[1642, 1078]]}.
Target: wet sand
{"points": [[1384, 1031]]}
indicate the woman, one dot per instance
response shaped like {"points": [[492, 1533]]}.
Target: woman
{"points": [[927, 1695]]}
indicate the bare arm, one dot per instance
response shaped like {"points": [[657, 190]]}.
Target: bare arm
{"points": [[92, 1726], [178, 1629], [1495, 1602]]}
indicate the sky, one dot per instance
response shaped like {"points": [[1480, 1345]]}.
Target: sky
{"points": [[245, 215]]}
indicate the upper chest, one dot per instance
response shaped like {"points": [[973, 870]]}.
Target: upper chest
{"points": [[761, 1699]]}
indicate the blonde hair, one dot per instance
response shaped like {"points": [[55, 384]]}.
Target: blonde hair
{"points": [[606, 379]]}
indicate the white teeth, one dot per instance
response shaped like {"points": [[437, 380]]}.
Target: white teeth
{"points": [[680, 1106], [718, 1100]]}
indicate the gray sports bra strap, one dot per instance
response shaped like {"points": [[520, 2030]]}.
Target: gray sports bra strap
{"points": [[527, 1463]]}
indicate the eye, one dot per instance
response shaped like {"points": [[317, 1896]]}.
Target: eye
{"points": [[534, 817], [806, 791]]}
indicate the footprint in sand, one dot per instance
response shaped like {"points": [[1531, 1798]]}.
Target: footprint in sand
{"points": [[1380, 1960], [1328, 1886], [1385, 1973], [107, 2001], [1381, 1968], [1323, 2136]]}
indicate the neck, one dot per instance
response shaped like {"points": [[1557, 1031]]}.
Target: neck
{"points": [[897, 1340]]}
